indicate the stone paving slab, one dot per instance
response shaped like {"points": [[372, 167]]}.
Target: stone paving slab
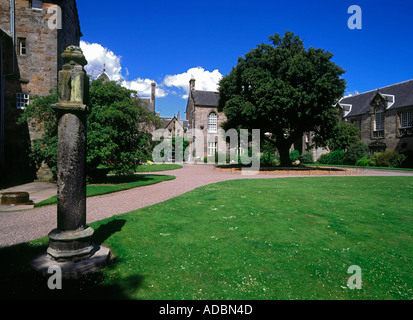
{"points": [[38, 191]]}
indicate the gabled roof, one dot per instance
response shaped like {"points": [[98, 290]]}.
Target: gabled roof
{"points": [[360, 104], [166, 121], [205, 98]]}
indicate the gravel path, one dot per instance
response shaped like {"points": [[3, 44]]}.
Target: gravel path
{"points": [[22, 226]]}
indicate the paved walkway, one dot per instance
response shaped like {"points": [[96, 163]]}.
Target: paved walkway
{"points": [[25, 225]]}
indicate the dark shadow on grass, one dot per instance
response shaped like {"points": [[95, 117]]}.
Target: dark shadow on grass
{"points": [[104, 231], [18, 281]]}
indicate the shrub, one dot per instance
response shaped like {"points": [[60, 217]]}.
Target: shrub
{"points": [[307, 157], [355, 152], [294, 155], [389, 158], [268, 158], [335, 157], [363, 162]]}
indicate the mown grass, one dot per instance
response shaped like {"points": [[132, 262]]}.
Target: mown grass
{"points": [[114, 184], [290, 238], [158, 167]]}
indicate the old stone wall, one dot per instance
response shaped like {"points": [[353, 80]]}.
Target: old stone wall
{"points": [[37, 65], [201, 121], [391, 138]]}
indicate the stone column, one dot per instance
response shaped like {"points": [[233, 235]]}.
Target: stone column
{"points": [[70, 244], [72, 238]]}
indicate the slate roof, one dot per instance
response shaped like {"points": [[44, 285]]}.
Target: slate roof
{"points": [[165, 122], [360, 104], [205, 98]]}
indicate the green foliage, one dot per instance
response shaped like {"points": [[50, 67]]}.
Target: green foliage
{"points": [[334, 157], [115, 139], [179, 143], [363, 162], [355, 152], [388, 158], [294, 155], [284, 89], [344, 135], [269, 159], [306, 157], [41, 116]]}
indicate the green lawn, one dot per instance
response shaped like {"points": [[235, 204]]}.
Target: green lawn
{"points": [[158, 167], [289, 238], [113, 184]]}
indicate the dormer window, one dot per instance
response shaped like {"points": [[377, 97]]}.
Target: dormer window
{"points": [[390, 99], [346, 108]]}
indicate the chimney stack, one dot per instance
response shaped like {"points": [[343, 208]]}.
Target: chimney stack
{"points": [[153, 86], [191, 84]]}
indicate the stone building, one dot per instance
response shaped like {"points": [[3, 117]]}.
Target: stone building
{"points": [[384, 117], [176, 126], [34, 33], [203, 116]]}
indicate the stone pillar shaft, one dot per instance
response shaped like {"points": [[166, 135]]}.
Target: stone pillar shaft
{"points": [[71, 195]]}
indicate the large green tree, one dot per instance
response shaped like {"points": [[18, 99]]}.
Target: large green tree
{"points": [[115, 138], [283, 89]]}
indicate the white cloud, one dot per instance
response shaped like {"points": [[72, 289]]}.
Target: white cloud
{"points": [[97, 56], [143, 87], [204, 80]]}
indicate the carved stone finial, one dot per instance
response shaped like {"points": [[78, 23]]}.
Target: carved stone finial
{"points": [[73, 56]]}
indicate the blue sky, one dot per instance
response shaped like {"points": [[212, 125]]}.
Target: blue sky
{"points": [[168, 41]]}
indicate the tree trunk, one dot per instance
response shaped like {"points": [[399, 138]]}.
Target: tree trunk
{"points": [[283, 148]]}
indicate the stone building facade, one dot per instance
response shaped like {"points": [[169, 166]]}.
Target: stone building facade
{"points": [[176, 126], [384, 117], [39, 31], [203, 116]]}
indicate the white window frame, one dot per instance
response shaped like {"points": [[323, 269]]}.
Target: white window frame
{"points": [[379, 119], [22, 46], [212, 122], [212, 148], [22, 100], [406, 120]]}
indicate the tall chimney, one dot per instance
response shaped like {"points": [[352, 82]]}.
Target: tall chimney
{"points": [[153, 86], [191, 84]]}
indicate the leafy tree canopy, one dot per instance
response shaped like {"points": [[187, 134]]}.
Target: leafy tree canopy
{"points": [[343, 136], [116, 138], [283, 89]]}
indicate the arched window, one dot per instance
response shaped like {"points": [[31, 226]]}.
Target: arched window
{"points": [[212, 122]]}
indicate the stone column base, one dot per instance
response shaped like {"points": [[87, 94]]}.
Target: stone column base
{"points": [[71, 269], [70, 245]]}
